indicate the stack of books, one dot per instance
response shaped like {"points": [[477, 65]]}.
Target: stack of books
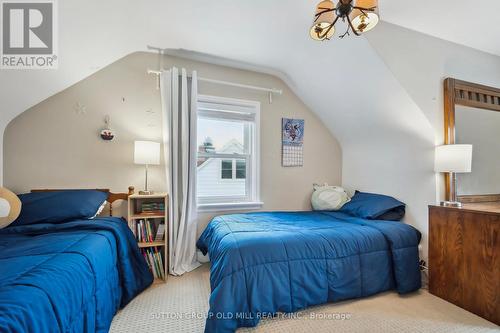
{"points": [[146, 231], [154, 258], [153, 208]]}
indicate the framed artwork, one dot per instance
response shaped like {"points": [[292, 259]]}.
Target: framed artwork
{"points": [[292, 142]]}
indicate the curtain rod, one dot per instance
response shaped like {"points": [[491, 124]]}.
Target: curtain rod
{"points": [[232, 84]]}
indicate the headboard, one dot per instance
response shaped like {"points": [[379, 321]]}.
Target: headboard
{"points": [[112, 197]]}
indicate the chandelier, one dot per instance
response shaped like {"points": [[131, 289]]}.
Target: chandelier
{"points": [[361, 16]]}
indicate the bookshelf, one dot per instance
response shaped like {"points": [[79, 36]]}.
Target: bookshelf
{"points": [[148, 220]]}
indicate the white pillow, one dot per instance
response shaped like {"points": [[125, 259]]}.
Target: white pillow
{"points": [[327, 197]]}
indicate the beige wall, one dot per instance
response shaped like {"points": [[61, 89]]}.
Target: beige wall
{"points": [[53, 145]]}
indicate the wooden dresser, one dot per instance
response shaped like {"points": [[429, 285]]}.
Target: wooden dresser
{"points": [[464, 257]]}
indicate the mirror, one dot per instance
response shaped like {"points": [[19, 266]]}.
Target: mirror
{"points": [[472, 116], [481, 128]]}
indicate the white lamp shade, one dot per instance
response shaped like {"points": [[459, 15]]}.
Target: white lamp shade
{"points": [[453, 158], [147, 152]]}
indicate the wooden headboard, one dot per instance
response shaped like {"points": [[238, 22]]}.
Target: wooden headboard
{"points": [[112, 197]]}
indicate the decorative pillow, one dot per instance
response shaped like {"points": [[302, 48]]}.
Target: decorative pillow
{"points": [[374, 207], [327, 197], [59, 206]]}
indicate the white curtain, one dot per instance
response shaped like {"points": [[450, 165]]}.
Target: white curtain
{"points": [[179, 97]]}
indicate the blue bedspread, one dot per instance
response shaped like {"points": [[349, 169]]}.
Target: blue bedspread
{"points": [[264, 263], [69, 277]]}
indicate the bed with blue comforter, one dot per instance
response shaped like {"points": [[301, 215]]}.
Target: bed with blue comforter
{"points": [[264, 263], [68, 277]]}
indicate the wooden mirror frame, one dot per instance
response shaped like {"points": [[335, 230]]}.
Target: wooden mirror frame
{"points": [[457, 92]]}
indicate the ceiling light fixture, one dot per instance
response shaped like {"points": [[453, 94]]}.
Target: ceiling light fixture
{"points": [[361, 16]]}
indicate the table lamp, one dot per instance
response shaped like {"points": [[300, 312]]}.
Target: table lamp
{"points": [[146, 153], [453, 159]]}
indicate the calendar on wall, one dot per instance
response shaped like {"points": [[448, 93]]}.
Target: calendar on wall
{"points": [[292, 142]]}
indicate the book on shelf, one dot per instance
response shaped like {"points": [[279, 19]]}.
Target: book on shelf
{"points": [[157, 265], [152, 207], [148, 231], [149, 237], [154, 259], [160, 263], [160, 232], [153, 264]]}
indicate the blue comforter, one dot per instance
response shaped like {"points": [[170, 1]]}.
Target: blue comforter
{"points": [[69, 277], [264, 263]]}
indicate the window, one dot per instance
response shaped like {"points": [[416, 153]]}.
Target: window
{"points": [[233, 169], [227, 161], [226, 169], [241, 169]]}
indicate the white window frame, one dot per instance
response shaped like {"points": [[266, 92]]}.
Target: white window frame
{"points": [[208, 106]]}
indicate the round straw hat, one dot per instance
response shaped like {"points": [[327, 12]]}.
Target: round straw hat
{"points": [[10, 207]]}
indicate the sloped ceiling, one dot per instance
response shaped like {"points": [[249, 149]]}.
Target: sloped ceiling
{"points": [[465, 22], [374, 109]]}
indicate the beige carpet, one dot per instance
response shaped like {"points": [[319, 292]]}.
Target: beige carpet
{"points": [[181, 304]]}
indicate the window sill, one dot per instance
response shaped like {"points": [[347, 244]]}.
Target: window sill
{"points": [[219, 207]]}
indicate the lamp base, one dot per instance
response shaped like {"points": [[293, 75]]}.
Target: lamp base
{"points": [[146, 192], [455, 204]]}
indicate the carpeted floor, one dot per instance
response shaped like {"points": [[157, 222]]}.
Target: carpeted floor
{"points": [[181, 304]]}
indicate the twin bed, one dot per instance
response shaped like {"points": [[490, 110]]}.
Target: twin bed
{"points": [[73, 275], [69, 275], [265, 263]]}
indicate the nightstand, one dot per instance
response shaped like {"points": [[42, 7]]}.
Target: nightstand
{"points": [[148, 220]]}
